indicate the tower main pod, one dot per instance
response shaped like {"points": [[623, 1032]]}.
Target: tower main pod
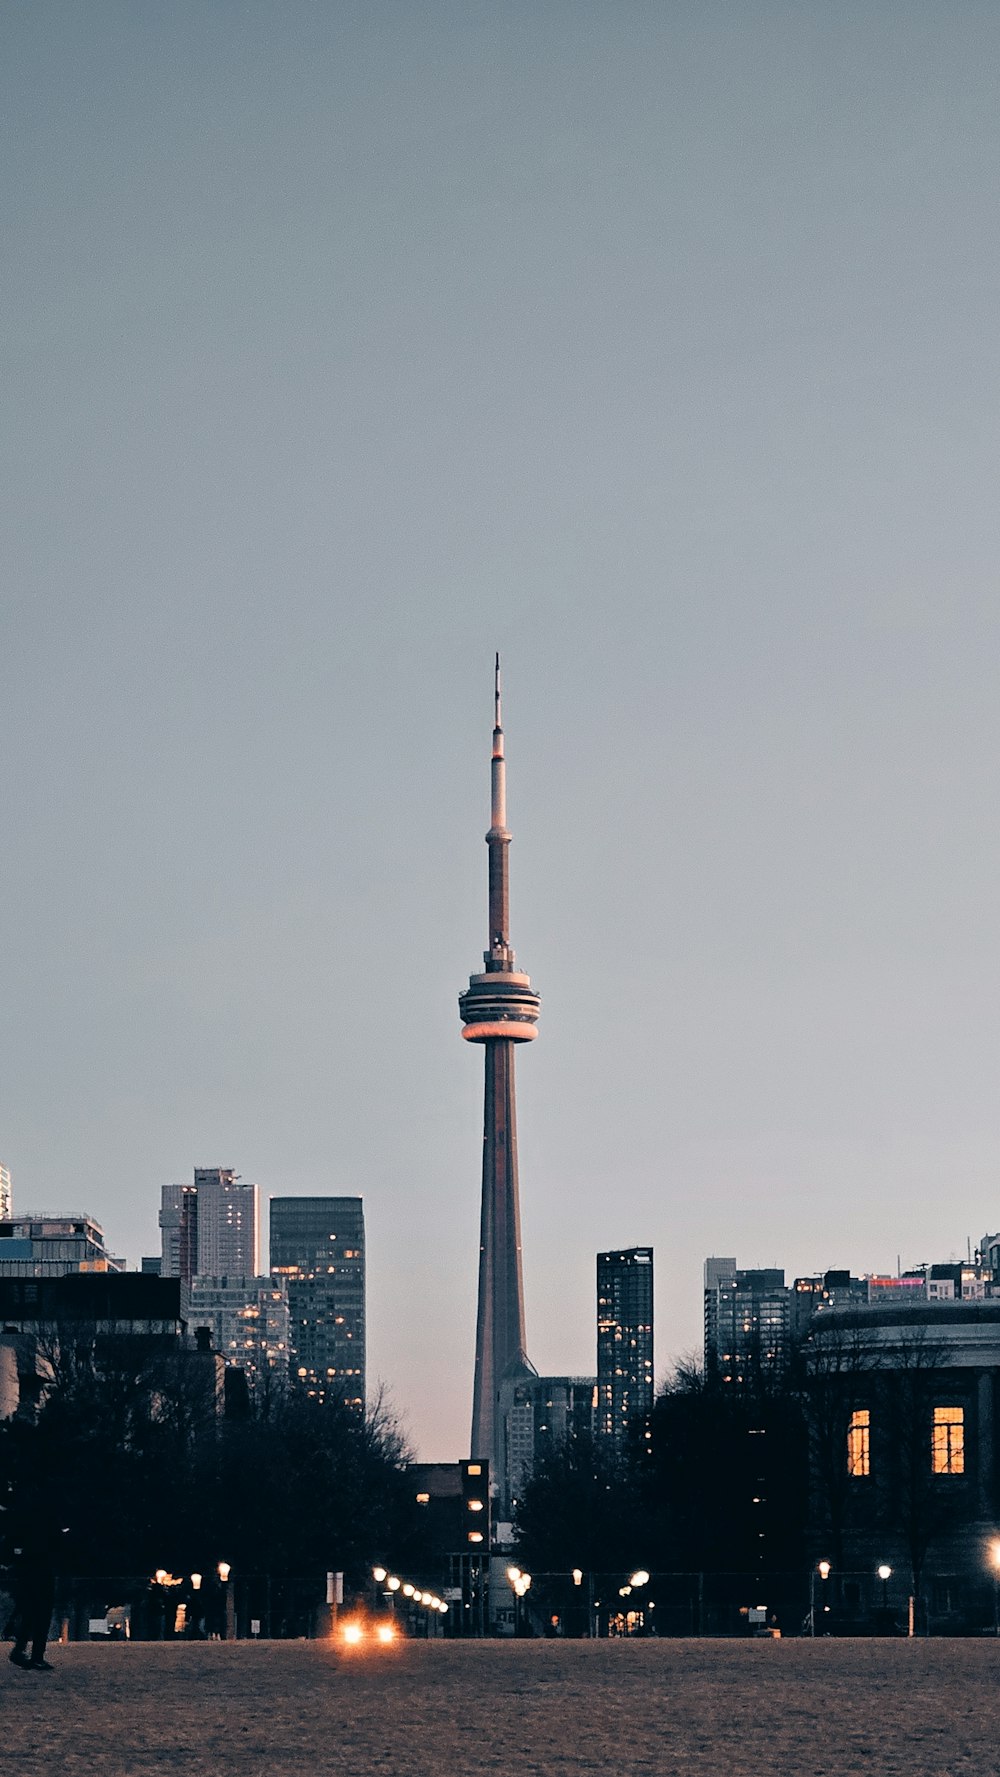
{"points": [[498, 1009]]}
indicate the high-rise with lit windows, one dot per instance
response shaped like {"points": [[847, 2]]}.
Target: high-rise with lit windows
{"points": [[318, 1253], [748, 1317], [624, 1345], [210, 1228], [499, 1009]]}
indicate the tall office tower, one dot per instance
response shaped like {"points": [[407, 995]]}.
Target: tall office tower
{"points": [[210, 1228], [50, 1244], [318, 1253], [624, 1345], [748, 1318], [538, 1414], [179, 1231], [498, 1009], [228, 1223], [6, 1194]]}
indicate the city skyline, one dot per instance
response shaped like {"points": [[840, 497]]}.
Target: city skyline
{"points": [[655, 346]]}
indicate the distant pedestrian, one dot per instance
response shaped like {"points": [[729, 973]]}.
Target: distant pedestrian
{"points": [[34, 1599]]}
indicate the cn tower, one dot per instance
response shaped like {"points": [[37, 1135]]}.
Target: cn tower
{"points": [[499, 1009]]}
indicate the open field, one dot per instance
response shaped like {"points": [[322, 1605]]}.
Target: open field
{"points": [[538, 1709]]}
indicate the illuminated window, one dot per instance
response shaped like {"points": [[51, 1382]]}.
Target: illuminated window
{"points": [[948, 1441], [859, 1456]]}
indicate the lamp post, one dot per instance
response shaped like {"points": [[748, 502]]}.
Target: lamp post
{"points": [[884, 1573], [823, 1569], [227, 1615], [519, 1584]]}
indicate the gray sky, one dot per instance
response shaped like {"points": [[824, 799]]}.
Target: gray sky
{"points": [[655, 344]]}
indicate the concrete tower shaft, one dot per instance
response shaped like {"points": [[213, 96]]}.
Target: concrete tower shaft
{"points": [[498, 1009]]}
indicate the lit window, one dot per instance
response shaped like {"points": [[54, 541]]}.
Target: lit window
{"points": [[859, 1459], [948, 1441]]}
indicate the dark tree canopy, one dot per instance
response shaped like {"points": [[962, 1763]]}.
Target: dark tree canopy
{"points": [[131, 1451]]}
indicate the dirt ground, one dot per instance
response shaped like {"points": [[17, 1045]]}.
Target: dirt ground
{"points": [[536, 1709]]}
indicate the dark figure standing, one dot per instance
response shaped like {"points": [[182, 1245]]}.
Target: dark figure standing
{"points": [[34, 1598]]}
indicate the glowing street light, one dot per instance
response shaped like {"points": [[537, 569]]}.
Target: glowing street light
{"points": [[379, 1574], [578, 1576], [639, 1578], [884, 1572], [519, 1583]]}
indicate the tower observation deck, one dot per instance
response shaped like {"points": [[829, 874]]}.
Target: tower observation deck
{"points": [[499, 1009]]}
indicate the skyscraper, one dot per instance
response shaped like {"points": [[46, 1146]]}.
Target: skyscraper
{"points": [[747, 1323], [318, 1253], [499, 1008], [228, 1223], [624, 1343], [210, 1228]]}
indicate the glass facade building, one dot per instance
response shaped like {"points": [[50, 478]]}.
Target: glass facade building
{"points": [[318, 1254], [624, 1344]]}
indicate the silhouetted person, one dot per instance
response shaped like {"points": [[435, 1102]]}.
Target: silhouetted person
{"points": [[34, 1598]]}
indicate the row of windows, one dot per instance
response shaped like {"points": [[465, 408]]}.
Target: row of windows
{"points": [[947, 1446]]}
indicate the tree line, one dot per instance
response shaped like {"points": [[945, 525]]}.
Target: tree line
{"points": [[128, 1455]]}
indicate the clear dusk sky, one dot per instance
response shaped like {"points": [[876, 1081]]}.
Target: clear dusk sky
{"points": [[655, 344]]}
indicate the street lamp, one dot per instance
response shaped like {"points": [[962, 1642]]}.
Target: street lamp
{"points": [[823, 1569], [519, 1584], [884, 1572]]}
